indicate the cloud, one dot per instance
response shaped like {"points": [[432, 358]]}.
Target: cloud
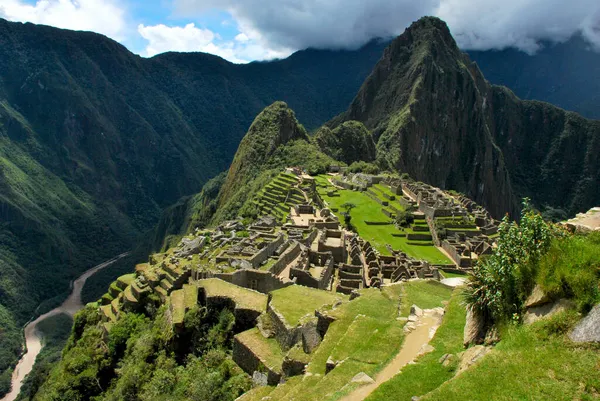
{"points": [[189, 38], [476, 24], [298, 24], [485, 24], [102, 16]]}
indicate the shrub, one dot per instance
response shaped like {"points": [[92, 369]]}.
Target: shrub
{"points": [[501, 282]]}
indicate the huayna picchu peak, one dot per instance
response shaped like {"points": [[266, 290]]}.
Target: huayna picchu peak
{"points": [[415, 246]]}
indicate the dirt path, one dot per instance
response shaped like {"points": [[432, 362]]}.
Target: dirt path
{"points": [[33, 339], [412, 347]]}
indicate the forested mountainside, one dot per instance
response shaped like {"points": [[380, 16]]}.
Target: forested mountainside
{"points": [[564, 74], [434, 116], [95, 141]]}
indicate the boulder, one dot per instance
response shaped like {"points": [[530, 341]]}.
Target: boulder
{"points": [[471, 356], [447, 359], [415, 310], [588, 329], [259, 378], [538, 297], [362, 378], [539, 312], [474, 331]]}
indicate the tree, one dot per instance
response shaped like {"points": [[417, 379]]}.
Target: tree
{"points": [[348, 206]]}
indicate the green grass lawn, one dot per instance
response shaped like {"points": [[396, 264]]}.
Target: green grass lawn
{"points": [[453, 275], [534, 362], [296, 301], [369, 210], [243, 297], [428, 374]]}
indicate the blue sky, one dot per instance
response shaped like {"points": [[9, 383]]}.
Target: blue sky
{"points": [[247, 30]]}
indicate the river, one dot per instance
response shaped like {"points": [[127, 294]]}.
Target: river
{"points": [[33, 340]]}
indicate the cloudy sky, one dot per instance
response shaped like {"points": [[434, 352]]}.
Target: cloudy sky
{"points": [[246, 30]]}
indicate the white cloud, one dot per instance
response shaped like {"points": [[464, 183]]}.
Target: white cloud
{"points": [[485, 24], [162, 38], [476, 24], [102, 16], [189, 38]]}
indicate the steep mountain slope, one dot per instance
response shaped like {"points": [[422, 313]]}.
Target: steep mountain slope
{"points": [[564, 74], [275, 140], [434, 116], [95, 141], [349, 142]]}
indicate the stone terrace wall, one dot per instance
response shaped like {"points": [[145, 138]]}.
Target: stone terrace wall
{"points": [[250, 362], [267, 251], [260, 281], [286, 258], [288, 336]]}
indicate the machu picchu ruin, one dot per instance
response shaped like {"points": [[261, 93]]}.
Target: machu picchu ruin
{"points": [[285, 273], [396, 227]]}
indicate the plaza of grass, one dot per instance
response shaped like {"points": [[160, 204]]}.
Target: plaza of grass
{"points": [[368, 210], [365, 336]]}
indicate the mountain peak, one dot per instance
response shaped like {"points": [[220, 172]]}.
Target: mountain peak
{"points": [[275, 126]]}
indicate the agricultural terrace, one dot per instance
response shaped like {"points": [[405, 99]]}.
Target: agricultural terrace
{"points": [[296, 301], [368, 210], [365, 336]]}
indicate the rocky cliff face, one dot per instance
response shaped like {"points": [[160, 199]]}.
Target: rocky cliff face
{"points": [[435, 117]]}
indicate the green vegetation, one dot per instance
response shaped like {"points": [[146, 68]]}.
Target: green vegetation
{"points": [[267, 349], [296, 301], [144, 359], [534, 362], [368, 210], [365, 336], [571, 269], [501, 283], [350, 142], [428, 373]]}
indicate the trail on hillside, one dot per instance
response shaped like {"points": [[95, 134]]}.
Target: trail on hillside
{"points": [[412, 347], [33, 339]]}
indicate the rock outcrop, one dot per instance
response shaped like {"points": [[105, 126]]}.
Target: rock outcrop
{"points": [[588, 329]]}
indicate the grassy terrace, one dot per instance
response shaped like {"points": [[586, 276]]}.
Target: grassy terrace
{"points": [[379, 235], [296, 301], [267, 349], [366, 335], [243, 297]]}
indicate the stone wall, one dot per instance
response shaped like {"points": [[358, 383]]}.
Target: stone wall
{"points": [[260, 281], [286, 258], [250, 362], [262, 255]]}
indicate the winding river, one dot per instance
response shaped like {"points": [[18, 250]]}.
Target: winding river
{"points": [[33, 340]]}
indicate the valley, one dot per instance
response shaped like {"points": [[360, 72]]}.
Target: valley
{"points": [[405, 247], [33, 340]]}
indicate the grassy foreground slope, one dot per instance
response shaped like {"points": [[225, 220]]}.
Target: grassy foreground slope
{"points": [[535, 362], [428, 373]]}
